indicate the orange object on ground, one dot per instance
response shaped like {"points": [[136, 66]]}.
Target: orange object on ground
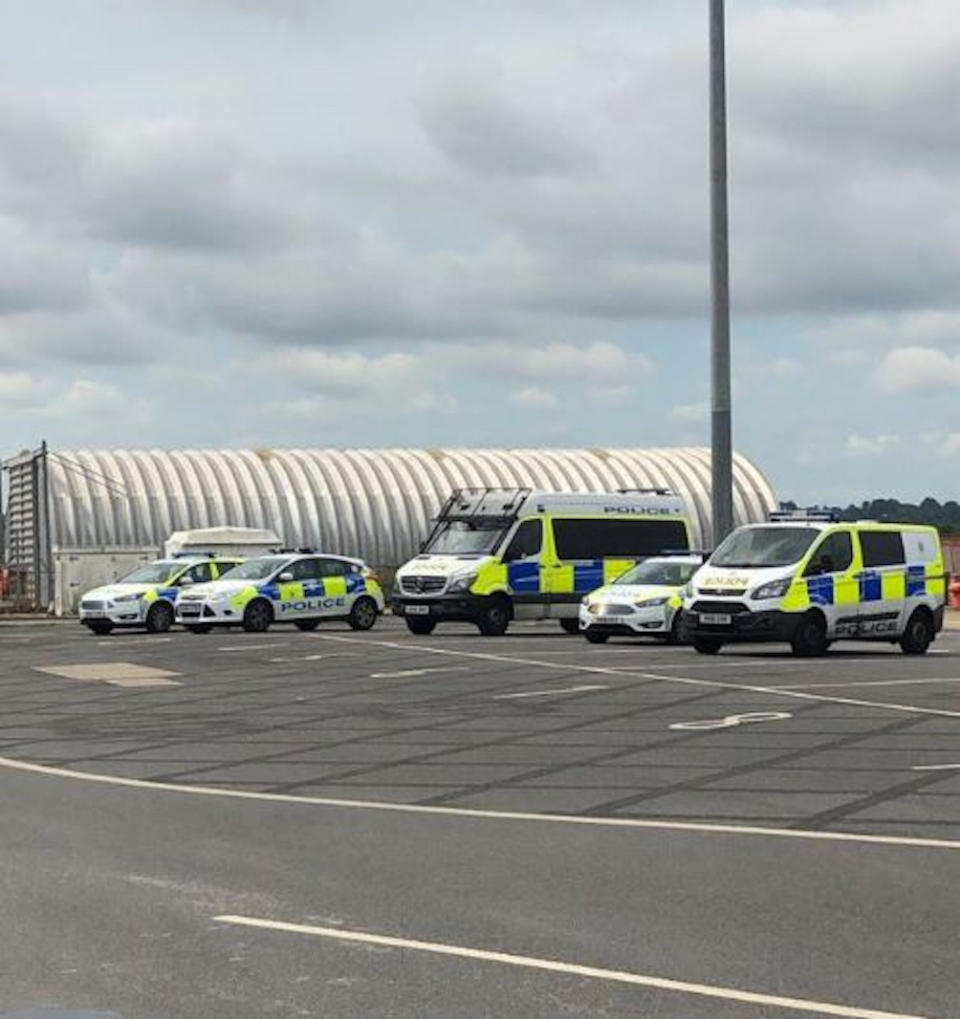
{"points": [[954, 598]]}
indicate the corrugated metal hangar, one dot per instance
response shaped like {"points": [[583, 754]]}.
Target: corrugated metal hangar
{"points": [[109, 506]]}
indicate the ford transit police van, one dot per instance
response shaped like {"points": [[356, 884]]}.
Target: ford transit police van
{"points": [[808, 579], [497, 554]]}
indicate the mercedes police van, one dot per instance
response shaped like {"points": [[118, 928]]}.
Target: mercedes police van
{"points": [[147, 596], [646, 601], [304, 588], [807, 579], [497, 554]]}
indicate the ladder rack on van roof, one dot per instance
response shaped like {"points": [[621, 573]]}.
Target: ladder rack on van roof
{"points": [[645, 491], [491, 503]]}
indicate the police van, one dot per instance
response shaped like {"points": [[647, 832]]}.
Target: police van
{"points": [[147, 596], [497, 554], [807, 579], [303, 588]]}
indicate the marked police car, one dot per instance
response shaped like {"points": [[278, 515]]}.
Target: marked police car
{"points": [[303, 588], [808, 579], [647, 600], [147, 596]]}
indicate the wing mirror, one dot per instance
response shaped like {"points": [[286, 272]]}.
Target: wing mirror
{"points": [[186, 581]]}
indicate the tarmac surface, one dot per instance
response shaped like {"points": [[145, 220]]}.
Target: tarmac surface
{"points": [[334, 824]]}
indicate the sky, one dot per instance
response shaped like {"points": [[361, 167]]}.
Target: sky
{"points": [[317, 223]]}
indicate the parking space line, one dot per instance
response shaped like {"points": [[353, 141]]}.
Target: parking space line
{"points": [[713, 991], [547, 693], [404, 673], [905, 841], [871, 682]]}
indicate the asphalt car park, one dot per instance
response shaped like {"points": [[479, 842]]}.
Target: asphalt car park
{"points": [[338, 823]]}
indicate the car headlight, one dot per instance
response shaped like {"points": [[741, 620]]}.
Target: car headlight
{"points": [[772, 589], [649, 603], [593, 607], [462, 583], [128, 597]]}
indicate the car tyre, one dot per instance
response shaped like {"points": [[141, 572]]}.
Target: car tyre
{"points": [[257, 616], [810, 637], [363, 615], [160, 617], [307, 624], [420, 626], [919, 634], [100, 629], [678, 630], [706, 645], [596, 638], [494, 618], [571, 626]]}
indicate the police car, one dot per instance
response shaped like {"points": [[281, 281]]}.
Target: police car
{"points": [[808, 579], [147, 596], [303, 588], [647, 600]]}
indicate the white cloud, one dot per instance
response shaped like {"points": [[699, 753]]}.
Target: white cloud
{"points": [[871, 446], [918, 369], [534, 398], [779, 368], [610, 395], [17, 387], [951, 444], [691, 413]]}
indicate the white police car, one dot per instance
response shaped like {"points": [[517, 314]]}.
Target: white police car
{"points": [[303, 588], [647, 600], [146, 597]]}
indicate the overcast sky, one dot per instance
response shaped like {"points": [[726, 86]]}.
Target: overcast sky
{"points": [[308, 222]]}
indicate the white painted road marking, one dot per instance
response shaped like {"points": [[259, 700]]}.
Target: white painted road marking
{"points": [[405, 673], [253, 647], [733, 720], [570, 969], [488, 815], [871, 682], [547, 693], [124, 674], [935, 767]]}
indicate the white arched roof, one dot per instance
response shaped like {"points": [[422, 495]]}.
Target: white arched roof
{"points": [[374, 503]]}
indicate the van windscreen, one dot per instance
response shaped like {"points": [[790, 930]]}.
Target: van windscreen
{"points": [[617, 539]]}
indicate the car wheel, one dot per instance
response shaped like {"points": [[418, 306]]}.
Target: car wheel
{"points": [[100, 629], [706, 645], [258, 617], [307, 624], [810, 637], [363, 614], [596, 638], [420, 626], [918, 635], [160, 617], [571, 626], [678, 630], [494, 618]]}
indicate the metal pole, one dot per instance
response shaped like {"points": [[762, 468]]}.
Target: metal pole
{"points": [[721, 425]]}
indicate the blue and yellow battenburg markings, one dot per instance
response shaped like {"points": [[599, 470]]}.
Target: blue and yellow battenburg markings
{"points": [[875, 586], [567, 578]]}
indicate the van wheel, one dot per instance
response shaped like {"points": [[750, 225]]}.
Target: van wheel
{"points": [[706, 645], [307, 624], [918, 635], [258, 617], [571, 626], [596, 638], [160, 617], [100, 629], [810, 637], [494, 618], [363, 614], [420, 626]]}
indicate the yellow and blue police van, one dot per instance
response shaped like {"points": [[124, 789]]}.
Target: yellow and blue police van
{"points": [[497, 554], [147, 597], [808, 579], [646, 601], [303, 587]]}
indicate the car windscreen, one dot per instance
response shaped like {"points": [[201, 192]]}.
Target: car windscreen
{"points": [[153, 573], [256, 569], [465, 537], [764, 546], [659, 573]]}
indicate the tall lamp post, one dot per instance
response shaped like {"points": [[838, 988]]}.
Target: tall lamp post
{"points": [[721, 425]]}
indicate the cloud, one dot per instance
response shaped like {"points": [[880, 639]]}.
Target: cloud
{"points": [[16, 387], [871, 446], [534, 398], [918, 369], [779, 368], [691, 413]]}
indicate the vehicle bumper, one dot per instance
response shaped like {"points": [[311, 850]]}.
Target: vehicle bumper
{"points": [[767, 625], [463, 607], [205, 614], [644, 621], [115, 615]]}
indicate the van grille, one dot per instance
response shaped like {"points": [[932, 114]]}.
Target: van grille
{"points": [[422, 585], [725, 607]]}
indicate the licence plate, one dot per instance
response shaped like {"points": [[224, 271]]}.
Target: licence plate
{"points": [[417, 610], [715, 618], [189, 610], [87, 614], [613, 619]]}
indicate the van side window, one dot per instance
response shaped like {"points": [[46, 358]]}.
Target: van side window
{"points": [[834, 555], [526, 541], [882, 548], [617, 539]]}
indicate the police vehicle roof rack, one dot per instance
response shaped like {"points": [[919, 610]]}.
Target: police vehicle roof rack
{"points": [[182, 554], [292, 551], [646, 491], [670, 552], [466, 503], [813, 513]]}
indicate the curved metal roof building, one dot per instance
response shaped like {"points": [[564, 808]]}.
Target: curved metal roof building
{"points": [[370, 503]]}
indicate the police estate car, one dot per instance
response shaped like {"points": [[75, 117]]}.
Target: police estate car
{"points": [[147, 596], [303, 588]]}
